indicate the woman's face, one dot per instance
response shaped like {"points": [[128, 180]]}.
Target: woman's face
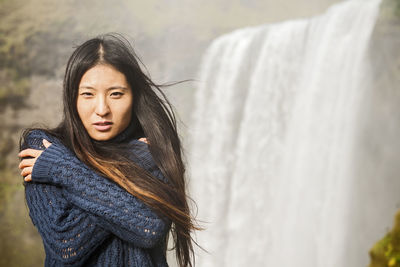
{"points": [[104, 102]]}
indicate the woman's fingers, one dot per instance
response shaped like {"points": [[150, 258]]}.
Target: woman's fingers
{"points": [[26, 171], [28, 178], [46, 143], [29, 152], [26, 163], [143, 139]]}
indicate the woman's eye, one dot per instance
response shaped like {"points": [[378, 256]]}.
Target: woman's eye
{"points": [[117, 94], [86, 94]]}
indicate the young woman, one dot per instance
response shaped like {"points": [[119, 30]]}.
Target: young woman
{"points": [[107, 185]]}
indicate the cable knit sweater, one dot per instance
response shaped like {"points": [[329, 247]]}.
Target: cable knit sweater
{"points": [[84, 218]]}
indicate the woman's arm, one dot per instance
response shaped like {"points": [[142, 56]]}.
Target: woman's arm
{"points": [[69, 234], [113, 207]]}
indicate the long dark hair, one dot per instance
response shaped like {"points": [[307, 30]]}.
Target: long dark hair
{"points": [[152, 117]]}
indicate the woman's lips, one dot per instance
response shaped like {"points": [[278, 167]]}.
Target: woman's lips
{"points": [[102, 126]]}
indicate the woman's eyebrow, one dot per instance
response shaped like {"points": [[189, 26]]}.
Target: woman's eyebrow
{"points": [[110, 88], [86, 87], [117, 87]]}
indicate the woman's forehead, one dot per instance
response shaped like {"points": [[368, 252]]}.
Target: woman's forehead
{"points": [[103, 77]]}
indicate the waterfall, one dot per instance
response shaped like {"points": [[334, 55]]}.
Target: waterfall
{"points": [[272, 142]]}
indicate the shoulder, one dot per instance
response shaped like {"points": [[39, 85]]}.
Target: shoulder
{"points": [[32, 134], [141, 154], [33, 138], [140, 149]]}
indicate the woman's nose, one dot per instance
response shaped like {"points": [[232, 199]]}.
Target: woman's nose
{"points": [[102, 108]]}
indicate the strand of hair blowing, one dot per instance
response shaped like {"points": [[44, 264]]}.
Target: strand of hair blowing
{"points": [[160, 134]]}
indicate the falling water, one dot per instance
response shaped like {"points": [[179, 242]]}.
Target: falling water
{"points": [[273, 139]]}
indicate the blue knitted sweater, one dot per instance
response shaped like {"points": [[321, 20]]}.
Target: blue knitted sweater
{"points": [[84, 218]]}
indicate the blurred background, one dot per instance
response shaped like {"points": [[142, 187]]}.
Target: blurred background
{"points": [[290, 127]]}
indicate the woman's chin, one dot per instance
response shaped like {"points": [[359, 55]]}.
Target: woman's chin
{"points": [[102, 136]]}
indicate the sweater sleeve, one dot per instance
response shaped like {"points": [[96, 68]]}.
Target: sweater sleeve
{"points": [[113, 208], [68, 233]]}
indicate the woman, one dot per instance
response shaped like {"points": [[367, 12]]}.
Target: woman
{"points": [[106, 186]]}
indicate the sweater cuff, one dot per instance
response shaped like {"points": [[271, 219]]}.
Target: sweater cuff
{"points": [[46, 163]]}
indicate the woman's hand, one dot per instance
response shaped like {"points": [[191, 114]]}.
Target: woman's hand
{"points": [[144, 139], [26, 165]]}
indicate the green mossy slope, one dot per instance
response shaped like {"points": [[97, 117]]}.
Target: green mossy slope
{"points": [[386, 252]]}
